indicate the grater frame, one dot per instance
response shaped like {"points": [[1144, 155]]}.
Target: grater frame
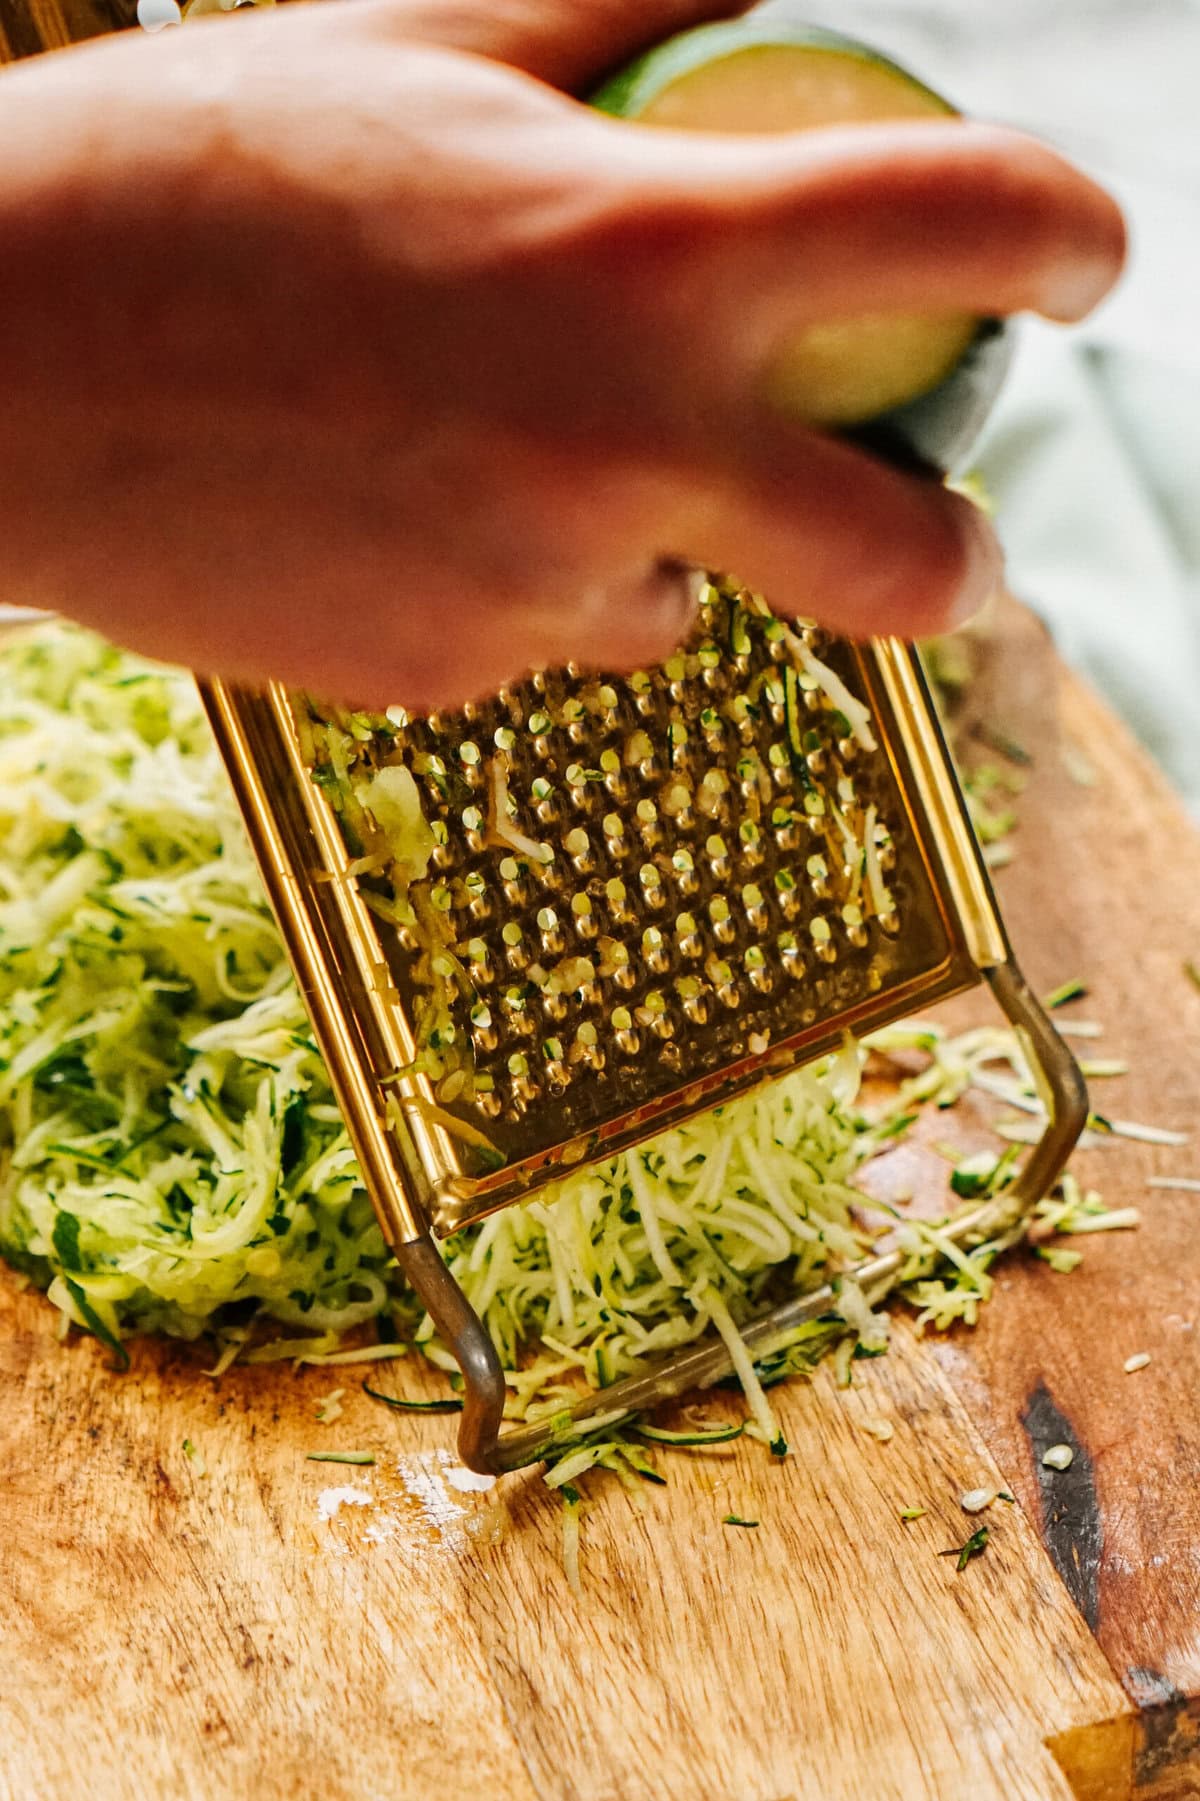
{"points": [[412, 1168]]}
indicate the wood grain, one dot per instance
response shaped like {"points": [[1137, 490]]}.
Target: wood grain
{"points": [[215, 1633], [1105, 886], [799, 1659], [187, 1636], [30, 26]]}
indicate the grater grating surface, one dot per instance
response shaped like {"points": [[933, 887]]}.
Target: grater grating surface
{"points": [[639, 884]]}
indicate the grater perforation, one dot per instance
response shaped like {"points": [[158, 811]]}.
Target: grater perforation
{"points": [[674, 865]]}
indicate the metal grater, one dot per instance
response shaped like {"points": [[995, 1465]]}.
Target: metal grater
{"points": [[780, 975], [646, 894]]}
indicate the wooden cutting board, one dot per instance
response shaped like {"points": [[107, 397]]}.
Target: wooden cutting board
{"points": [[280, 1628]]}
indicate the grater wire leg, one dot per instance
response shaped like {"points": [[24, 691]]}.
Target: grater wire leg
{"points": [[480, 1442], [464, 1332], [1060, 1085]]}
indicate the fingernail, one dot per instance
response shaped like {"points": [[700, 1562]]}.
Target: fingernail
{"points": [[983, 567], [1073, 290]]}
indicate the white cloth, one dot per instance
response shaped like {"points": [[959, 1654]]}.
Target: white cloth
{"points": [[1093, 459], [1093, 453]]}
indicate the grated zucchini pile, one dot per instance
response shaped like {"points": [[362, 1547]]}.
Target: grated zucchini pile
{"points": [[168, 1144], [171, 1158]]}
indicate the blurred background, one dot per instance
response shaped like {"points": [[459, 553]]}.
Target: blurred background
{"points": [[1093, 454]]}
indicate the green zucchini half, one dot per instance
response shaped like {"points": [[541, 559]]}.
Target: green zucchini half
{"points": [[913, 388]]}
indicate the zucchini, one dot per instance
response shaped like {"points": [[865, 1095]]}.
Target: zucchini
{"points": [[696, 1439], [913, 388], [446, 1404]]}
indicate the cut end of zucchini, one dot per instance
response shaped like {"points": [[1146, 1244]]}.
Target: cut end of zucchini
{"points": [[851, 371], [755, 75], [715, 82]]}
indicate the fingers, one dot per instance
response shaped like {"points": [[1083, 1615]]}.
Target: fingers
{"points": [[600, 577], [569, 43], [825, 531], [365, 581], [370, 588], [734, 243], [616, 620], [877, 566]]}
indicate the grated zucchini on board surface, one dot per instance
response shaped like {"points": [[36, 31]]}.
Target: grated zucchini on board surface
{"points": [[171, 1158], [169, 1143]]}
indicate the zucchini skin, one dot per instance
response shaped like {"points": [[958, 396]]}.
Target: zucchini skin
{"points": [[631, 89], [936, 432]]}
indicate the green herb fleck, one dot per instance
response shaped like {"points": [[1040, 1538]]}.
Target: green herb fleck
{"points": [[195, 1457], [735, 1519], [341, 1457], [445, 1404], [96, 1325], [913, 1513], [975, 1546]]}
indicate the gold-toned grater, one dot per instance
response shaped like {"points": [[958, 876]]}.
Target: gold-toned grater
{"points": [[642, 895]]}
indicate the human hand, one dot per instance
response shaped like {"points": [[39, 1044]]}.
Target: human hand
{"points": [[340, 345]]}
